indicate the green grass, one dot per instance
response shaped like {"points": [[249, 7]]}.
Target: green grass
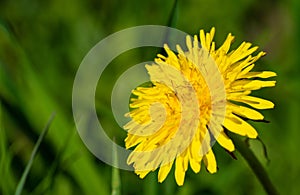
{"points": [[42, 44], [22, 181]]}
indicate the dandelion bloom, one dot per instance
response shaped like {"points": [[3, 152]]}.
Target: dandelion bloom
{"points": [[189, 104]]}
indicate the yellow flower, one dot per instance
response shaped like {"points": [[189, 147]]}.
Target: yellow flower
{"points": [[194, 96]]}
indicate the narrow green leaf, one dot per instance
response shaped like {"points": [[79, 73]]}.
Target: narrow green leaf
{"points": [[173, 15], [48, 181], [7, 185], [254, 164], [116, 181], [33, 154]]}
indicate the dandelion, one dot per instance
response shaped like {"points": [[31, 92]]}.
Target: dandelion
{"points": [[188, 106]]}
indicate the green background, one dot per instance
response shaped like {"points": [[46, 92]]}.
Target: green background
{"points": [[42, 44]]}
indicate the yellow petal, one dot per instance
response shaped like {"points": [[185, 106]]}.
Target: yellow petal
{"points": [[164, 171], [254, 102], [142, 174], [213, 45], [132, 140], [179, 50], [170, 52], [212, 33], [208, 41], [247, 69], [179, 171], [245, 65], [225, 141], [226, 45], [245, 112], [241, 52], [203, 39], [195, 147], [231, 95], [195, 165], [210, 162], [239, 126], [251, 84], [189, 43], [263, 74]]}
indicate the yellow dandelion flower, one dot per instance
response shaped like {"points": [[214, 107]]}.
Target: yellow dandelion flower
{"points": [[195, 95]]}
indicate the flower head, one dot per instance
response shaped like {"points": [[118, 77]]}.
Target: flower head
{"points": [[195, 96]]}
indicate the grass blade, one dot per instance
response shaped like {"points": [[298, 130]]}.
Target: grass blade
{"points": [[173, 15], [7, 185], [115, 180], [33, 154]]}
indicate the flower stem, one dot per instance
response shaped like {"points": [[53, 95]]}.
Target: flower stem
{"points": [[254, 163]]}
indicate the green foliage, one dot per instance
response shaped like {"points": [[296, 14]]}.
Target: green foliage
{"points": [[22, 181], [42, 44]]}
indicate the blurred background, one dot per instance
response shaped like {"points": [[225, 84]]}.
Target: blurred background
{"points": [[42, 44]]}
